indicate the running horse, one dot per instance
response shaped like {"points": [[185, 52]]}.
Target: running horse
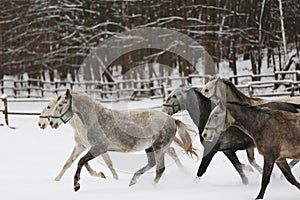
{"points": [[221, 90], [276, 135], [199, 108], [81, 142], [112, 130]]}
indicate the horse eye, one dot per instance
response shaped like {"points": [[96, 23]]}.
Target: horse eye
{"points": [[174, 96], [60, 105], [48, 107], [206, 90]]}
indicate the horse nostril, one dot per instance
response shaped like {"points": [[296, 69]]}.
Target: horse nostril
{"points": [[206, 90], [51, 123], [39, 124], [204, 135]]}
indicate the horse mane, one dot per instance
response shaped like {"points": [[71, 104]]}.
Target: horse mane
{"points": [[280, 114], [241, 96], [86, 96], [253, 109], [200, 95], [270, 107]]}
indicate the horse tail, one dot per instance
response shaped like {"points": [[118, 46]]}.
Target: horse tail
{"points": [[185, 141]]}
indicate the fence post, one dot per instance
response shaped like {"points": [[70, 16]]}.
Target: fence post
{"points": [[250, 90], [292, 89], [5, 112]]}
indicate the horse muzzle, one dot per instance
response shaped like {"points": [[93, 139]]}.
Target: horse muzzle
{"points": [[42, 126], [54, 124], [207, 136]]}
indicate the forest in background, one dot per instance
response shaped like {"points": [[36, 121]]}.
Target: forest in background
{"points": [[41, 37]]}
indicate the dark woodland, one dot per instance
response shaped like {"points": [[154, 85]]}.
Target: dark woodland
{"points": [[41, 36]]}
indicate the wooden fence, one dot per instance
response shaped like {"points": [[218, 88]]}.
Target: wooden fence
{"points": [[104, 91], [286, 84]]}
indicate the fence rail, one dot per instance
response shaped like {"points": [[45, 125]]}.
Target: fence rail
{"points": [[275, 84], [133, 89], [34, 88]]}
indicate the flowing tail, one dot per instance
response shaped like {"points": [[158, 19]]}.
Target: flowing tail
{"points": [[185, 141]]}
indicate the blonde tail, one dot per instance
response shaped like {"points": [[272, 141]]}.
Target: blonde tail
{"points": [[185, 141]]}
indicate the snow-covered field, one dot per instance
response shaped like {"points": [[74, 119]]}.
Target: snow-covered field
{"points": [[31, 158]]}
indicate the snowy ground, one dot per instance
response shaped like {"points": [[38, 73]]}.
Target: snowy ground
{"points": [[31, 158]]}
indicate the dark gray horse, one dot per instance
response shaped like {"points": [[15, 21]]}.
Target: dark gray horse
{"points": [[275, 133], [221, 90], [233, 139], [199, 108]]}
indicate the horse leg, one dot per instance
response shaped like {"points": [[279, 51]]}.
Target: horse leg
{"points": [[77, 150], [109, 164], [93, 172], [237, 165], [205, 162], [293, 163], [172, 153], [150, 164], [251, 159], [160, 164], [267, 171], [91, 154], [286, 170]]}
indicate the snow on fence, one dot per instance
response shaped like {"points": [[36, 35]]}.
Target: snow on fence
{"points": [[104, 91], [276, 84]]}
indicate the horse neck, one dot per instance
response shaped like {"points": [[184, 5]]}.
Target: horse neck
{"points": [[199, 109], [236, 95], [80, 130], [250, 120], [85, 108]]}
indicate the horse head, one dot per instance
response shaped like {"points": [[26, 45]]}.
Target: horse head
{"points": [[174, 102], [62, 111], [47, 111], [219, 121]]}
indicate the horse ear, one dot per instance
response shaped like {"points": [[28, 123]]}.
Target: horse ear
{"points": [[55, 96], [164, 91], [214, 77], [68, 93], [196, 89]]}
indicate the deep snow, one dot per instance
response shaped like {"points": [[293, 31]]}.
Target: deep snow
{"points": [[31, 158]]}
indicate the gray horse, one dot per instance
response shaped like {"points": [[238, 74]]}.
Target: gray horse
{"points": [[199, 107], [81, 142], [112, 130]]}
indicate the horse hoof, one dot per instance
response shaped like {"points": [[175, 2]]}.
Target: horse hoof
{"points": [[248, 168], [102, 175], [76, 187], [245, 181], [132, 182], [197, 179], [154, 183], [57, 179]]}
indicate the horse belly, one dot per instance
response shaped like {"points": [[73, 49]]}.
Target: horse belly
{"points": [[139, 145], [290, 144], [291, 152]]}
